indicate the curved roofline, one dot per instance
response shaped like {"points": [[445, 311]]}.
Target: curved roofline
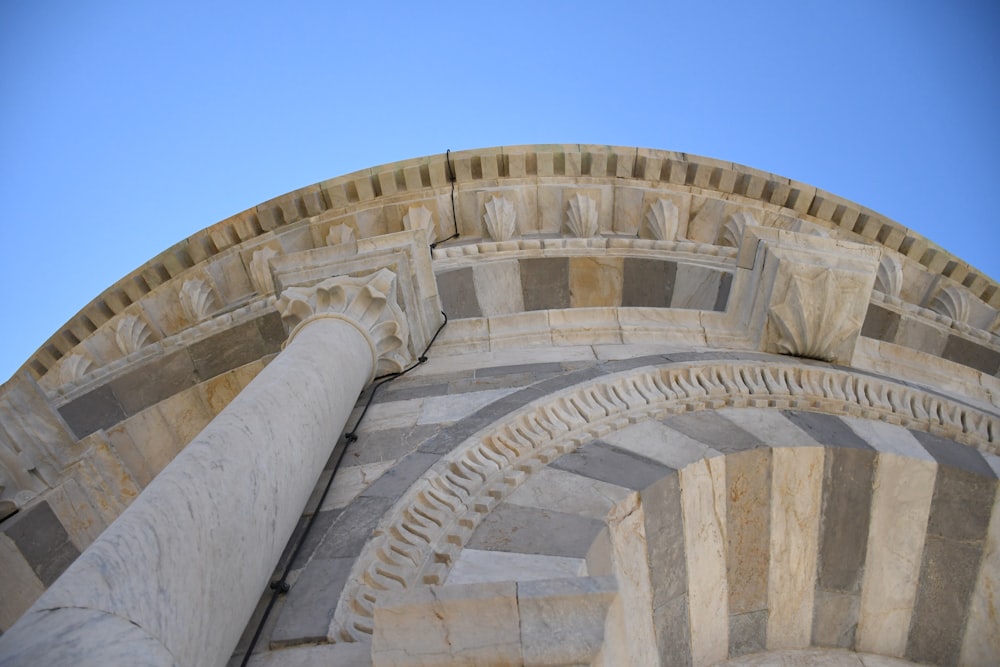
{"points": [[389, 182]]}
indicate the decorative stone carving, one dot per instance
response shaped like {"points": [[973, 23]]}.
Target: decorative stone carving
{"points": [[581, 217], [368, 302], [432, 522], [500, 218], [131, 334], [418, 217], [816, 317], [889, 277], [731, 232], [661, 220], [340, 234], [73, 367], [197, 300], [260, 272], [951, 302]]}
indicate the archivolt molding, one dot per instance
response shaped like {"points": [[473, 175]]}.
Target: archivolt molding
{"points": [[368, 301], [420, 539]]}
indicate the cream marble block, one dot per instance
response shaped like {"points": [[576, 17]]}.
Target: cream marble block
{"points": [[477, 566], [703, 502], [981, 644], [770, 426], [392, 414], [631, 566], [815, 657], [184, 565], [889, 438], [498, 287], [595, 281], [561, 491], [660, 443], [796, 498], [352, 480], [901, 502], [452, 407]]}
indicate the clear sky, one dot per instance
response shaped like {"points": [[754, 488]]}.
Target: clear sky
{"points": [[128, 126]]}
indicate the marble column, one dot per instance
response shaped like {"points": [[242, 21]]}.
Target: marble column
{"points": [[175, 579]]}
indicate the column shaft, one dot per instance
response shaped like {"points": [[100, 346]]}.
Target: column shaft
{"points": [[176, 577]]}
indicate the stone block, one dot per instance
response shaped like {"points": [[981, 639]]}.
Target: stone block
{"points": [[352, 528], [915, 334], [311, 601], [974, 355], [478, 566], [21, 583], [748, 530], [767, 427], [696, 287], [648, 282], [826, 429], [843, 537], [747, 633], [530, 530], [880, 323], [835, 619], [97, 409], [714, 430], [950, 453], [545, 283], [607, 463], [386, 444], [457, 290], [653, 440], [561, 491], [664, 532], [469, 624], [562, 620], [40, 537], [394, 481], [229, 349], [497, 287], [595, 281]]}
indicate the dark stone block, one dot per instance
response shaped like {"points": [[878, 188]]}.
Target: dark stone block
{"points": [[352, 527], [947, 579], [457, 290], [722, 300], [714, 430], [961, 505], [309, 605], [846, 511], [826, 429], [545, 283], [748, 529], [835, 620], [387, 394], [399, 477], [538, 369], [671, 626], [648, 282], [664, 527], [607, 463], [272, 332], [42, 540], [228, 349], [973, 355], [747, 633], [155, 381], [94, 410], [530, 530], [312, 538], [880, 323], [387, 445], [950, 453]]}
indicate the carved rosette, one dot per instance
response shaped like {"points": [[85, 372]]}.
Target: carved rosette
{"points": [[661, 220], [500, 218], [581, 218], [369, 302]]}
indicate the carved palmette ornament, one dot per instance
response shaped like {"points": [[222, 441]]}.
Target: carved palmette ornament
{"points": [[952, 302], [817, 315], [662, 219], [582, 217], [370, 301], [260, 271], [131, 334], [197, 299], [889, 276], [500, 219], [731, 232], [73, 367]]}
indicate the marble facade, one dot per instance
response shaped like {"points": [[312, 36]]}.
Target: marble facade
{"points": [[682, 412]]}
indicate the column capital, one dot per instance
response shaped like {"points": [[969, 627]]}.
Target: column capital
{"points": [[366, 302]]}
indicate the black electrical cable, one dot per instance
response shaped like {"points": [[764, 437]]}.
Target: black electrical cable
{"points": [[280, 586], [454, 216]]}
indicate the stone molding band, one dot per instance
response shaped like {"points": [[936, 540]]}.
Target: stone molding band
{"points": [[422, 536]]}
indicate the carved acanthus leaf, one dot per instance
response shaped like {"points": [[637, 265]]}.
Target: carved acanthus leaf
{"points": [[889, 276], [370, 301], [340, 234], [260, 271], [731, 232], [661, 220], [197, 299], [952, 302], [581, 217], [816, 315], [131, 334], [73, 367], [500, 218]]}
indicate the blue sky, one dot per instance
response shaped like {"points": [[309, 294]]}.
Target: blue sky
{"points": [[127, 126]]}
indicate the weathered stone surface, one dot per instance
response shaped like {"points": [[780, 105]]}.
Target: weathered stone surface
{"points": [[714, 430], [309, 604], [562, 620], [545, 283], [648, 283], [458, 294], [595, 281], [535, 531], [748, 530], [607, 463], [477, 566], [880, 323], [40, 537]]}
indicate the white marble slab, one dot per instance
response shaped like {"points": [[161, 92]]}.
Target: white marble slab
{"points": [[452, 407], [886, 437], [770, 426], [562, 491], [476, 566], [656, 441], [352, 480]]}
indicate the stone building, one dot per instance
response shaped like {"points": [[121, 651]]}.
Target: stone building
{"points": [[682, 412]]}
